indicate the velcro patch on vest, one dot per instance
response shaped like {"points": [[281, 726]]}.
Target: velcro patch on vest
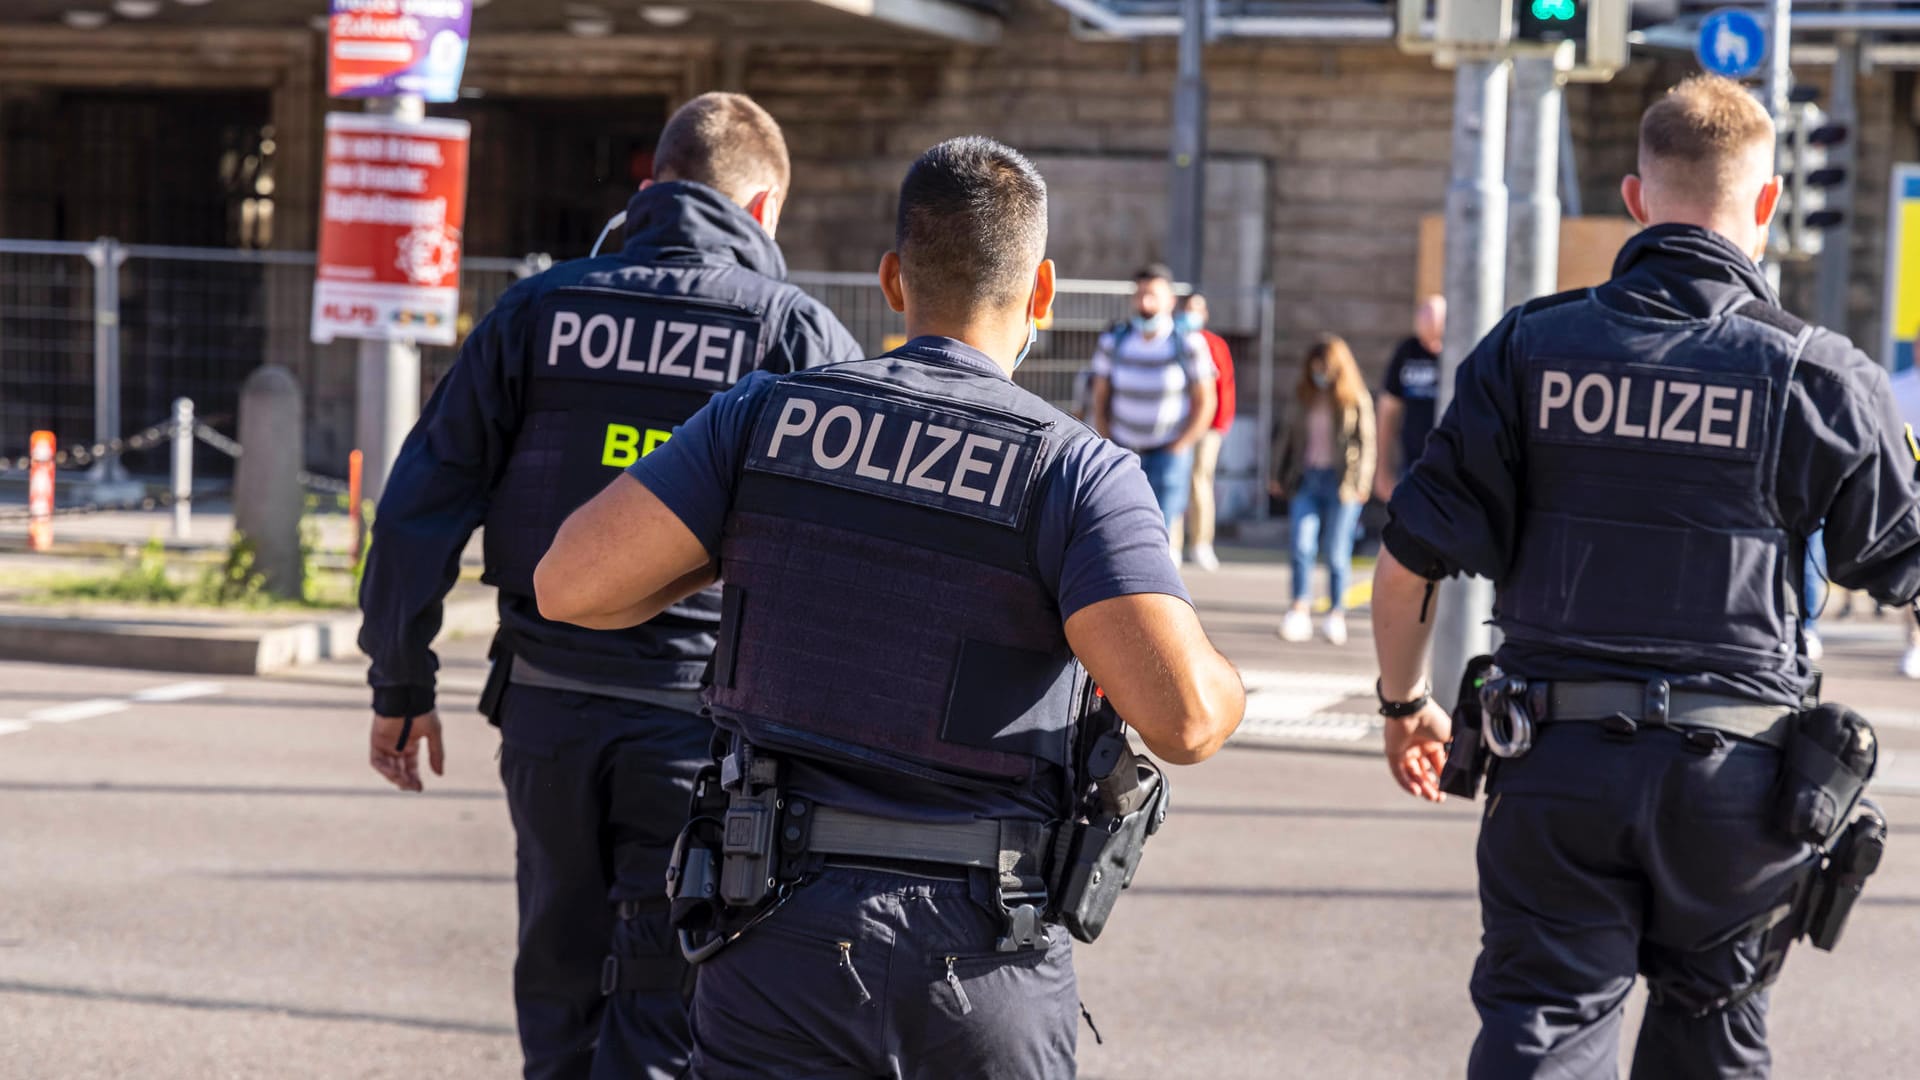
{"points": [[940, 459], [1647, 407], [604, 335]]}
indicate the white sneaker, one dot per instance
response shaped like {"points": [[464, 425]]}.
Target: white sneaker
{"points": [[1815, 650], [1204, 558], [1296, 627], [1335, 627], [1910, 663]]}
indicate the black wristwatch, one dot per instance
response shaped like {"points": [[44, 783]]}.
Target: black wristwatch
{"points": [[1399, 709]]}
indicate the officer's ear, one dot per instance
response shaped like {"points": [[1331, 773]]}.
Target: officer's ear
{"points": [[1042, 303], [647, 183], [1768, 202], [765, 209], [891, 284], [1634, 194]]}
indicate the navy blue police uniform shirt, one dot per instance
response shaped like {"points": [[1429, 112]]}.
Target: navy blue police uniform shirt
{"points": [[686, 243], [1844, 455], [1099, 534], [1413, 376]]}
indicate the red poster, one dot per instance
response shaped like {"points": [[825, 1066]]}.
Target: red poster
{"points": [[393, 199]]}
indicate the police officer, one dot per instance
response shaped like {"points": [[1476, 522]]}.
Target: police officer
{"points": [[1637, 468], [575, 374], [916, 550]]}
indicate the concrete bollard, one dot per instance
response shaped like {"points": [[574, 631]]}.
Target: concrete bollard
{"points": [[267, 498]]}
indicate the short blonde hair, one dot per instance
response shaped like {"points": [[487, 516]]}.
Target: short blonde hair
{"points": [[1700, 134]]}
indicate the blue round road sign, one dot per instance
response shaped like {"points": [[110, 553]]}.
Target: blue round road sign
{"points": [[1732, 43]]}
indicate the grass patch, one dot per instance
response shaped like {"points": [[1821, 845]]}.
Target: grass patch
{"points": [[154, 577]]}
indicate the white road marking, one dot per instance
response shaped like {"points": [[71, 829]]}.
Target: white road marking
{"points": [[180, 691], [92, 707], [1301, 705], [77, 710]]}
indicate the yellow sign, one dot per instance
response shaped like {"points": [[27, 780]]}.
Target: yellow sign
{"points": [[1903, 269], [627, 444]]}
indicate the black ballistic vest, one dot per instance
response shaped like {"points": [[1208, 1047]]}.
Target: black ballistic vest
{"points": [[614, 371], [882, 608], [1650, 535]]}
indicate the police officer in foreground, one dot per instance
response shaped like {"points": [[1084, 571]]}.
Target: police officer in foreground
{"points": [[916, 553], [575, 374], [1637, 468]]}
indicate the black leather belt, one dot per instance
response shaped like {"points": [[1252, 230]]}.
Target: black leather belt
{"points": [[1655, 704]]}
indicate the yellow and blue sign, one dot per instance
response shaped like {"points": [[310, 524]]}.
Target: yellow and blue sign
{"points": [[1903, 269]]}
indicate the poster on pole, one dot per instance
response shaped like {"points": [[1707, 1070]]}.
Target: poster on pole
{"points": [[385, 48], [393, 200], [1903, 270]]}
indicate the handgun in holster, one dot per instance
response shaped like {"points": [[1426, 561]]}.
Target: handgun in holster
{"points": [[1837, 884], [1467, 755], [1127, 806]]}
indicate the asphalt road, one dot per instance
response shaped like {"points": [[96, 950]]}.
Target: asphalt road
{"points": [[202, 878]]}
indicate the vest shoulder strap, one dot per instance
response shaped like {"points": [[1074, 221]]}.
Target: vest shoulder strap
{"points": [[1552, 300]]}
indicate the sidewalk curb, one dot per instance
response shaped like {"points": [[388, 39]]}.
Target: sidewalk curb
{"points": [[198, 649]]}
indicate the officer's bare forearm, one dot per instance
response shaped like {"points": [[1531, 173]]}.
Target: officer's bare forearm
{"points": [[1400, 636], [623, 616], [1154, 662]]}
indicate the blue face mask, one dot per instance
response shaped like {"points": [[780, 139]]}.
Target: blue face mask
{"points": [[1033, 335]]}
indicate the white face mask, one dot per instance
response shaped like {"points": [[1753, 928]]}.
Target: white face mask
{"points": [[613, 223], [1321, 379]]}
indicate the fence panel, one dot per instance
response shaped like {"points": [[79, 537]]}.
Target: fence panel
{"points": [[46, 344]]}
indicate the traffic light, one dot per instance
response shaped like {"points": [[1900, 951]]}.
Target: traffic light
{"points": [[1597, 28], [1813, 198], [1551, 20]]}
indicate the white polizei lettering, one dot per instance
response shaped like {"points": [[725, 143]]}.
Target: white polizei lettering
{"points": [[739, 351], [566, 331], [795, 419], [1595, 424], [626, 362], [1620, 425], [906, 452], [1712, 413], [1659, 399], [969, 464], [864, 467], [599, 358], [670, 364], [833, 461], [1746, 414], [1006, 473], [713, 346], [918, 477], [653, 353], [1688, 393], [1556, 389]]}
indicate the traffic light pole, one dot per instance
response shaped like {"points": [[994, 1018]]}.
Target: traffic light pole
{"points": [[1774, 90], [1834, 270], [1476, 250], [1533, 180], [387, 384], [1186, 189]]}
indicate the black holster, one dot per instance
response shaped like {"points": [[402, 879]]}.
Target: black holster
{"points": [[1103, 848], [1467, 755], [1854, 858], [499, 673], [1829, 756]]}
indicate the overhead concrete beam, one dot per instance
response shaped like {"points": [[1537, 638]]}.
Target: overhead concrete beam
{"points": [[938, 17]]}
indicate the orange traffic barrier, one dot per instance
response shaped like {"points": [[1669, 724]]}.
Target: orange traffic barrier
{"points": [[40, 492], [353, 501]]}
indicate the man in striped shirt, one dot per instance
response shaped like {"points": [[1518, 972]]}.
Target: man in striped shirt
{"points": [[1153, 391]]}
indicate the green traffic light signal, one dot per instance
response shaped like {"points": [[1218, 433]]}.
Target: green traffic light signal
{"points": [[1554, 10]]}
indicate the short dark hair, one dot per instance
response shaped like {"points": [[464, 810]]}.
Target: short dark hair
{"points": [[1155, 271], [727, 142], [972, 225]]}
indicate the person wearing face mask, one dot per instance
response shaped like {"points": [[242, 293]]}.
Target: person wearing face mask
{"points": [[1153, 391], [1206, 455], [1323, 468], [1638, 469], [920, 557], [575, 374]]}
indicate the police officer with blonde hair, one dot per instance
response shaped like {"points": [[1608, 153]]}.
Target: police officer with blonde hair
{"points": [[919, 557], [1638, 467]]}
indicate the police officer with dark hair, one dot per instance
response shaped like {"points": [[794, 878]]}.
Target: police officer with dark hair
{"points": [[1637, 467], [575, 374], [916, 552]]}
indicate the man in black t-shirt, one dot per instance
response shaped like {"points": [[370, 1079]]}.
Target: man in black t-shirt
{"points": [[1406, 406]]}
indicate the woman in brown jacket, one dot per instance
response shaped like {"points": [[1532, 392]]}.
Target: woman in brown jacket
{"points": [[1326, 464]]}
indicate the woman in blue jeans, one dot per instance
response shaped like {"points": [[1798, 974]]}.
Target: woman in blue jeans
{"points": [[1326, 462]]}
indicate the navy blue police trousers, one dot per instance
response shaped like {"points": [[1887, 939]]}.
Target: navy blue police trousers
{"points": [[1603, 857], [872, 973], [598, 789]]}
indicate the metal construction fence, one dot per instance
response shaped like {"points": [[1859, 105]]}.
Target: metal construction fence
{"points": [[97, 340]]}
